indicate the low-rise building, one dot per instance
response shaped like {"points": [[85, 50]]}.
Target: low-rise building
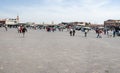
{"points": [[10, 21], [111, 23]]}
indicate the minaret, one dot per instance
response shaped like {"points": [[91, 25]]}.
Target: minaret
{"points": [[17, 19]]}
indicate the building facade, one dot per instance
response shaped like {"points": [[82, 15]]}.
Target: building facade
{"points": [[10, 21], [111, 23]]}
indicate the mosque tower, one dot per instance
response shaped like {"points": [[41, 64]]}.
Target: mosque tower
{"points": [[17, 18]]}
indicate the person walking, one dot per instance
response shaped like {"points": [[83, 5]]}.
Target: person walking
{"points": [[73, 32], [5, 27], [24, 30], [114, 32], [98, 33], [20, 28], [86, 32]]}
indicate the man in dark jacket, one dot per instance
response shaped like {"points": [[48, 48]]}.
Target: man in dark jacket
{"points": [[24, 30], [73, 32]]}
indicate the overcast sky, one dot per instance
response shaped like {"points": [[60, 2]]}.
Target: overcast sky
{"points": [[94, 11]]}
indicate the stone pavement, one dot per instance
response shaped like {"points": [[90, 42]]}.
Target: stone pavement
{"points": [[57, 52]]}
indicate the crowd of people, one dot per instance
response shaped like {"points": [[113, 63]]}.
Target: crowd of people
{"points": [[99, 32], [72, 31]]}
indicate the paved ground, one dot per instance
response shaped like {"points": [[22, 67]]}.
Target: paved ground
{"points": [[48, 52]]}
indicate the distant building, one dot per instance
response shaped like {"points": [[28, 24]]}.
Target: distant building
{"points": [[81, 23], [96, 25], [10, 21], [2, 21], [111, 23], [77, 23]]}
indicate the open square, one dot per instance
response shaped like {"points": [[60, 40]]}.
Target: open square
{"points": [[57, 52]]}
